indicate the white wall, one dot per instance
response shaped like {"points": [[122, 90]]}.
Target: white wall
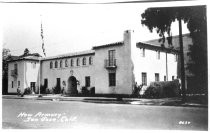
{"points": [[151, 65], [31, 73], [64, 73], [25, 74], [172, 66], [20, 76], [124, 77]]}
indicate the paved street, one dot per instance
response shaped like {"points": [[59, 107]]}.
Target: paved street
{"points": [[32, 113]]}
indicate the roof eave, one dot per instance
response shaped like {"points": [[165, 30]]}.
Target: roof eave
{"points": [[152, 47]]}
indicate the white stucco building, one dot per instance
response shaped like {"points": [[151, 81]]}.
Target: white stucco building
{"points": [[112, 68]]}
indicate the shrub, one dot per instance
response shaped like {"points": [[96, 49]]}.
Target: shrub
{"points": [[48, 91], [27, 91], [63, 91], [92, 90], [162, 89], [56, 90], [136, 90], [18, 91], [43, 89], [84, 90]]}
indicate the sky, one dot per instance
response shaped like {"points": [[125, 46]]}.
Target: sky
{"points": [[73, 27]]}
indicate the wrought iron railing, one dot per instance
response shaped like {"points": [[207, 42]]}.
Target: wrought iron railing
{"points": [[110, 63]]}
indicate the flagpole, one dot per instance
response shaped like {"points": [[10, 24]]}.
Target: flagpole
{"points": [[40, 62], [39, 75], [44, 55]]}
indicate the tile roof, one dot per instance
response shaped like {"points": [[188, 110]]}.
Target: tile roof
{"points": [[16, 58], [108, 45], [81, 53]]}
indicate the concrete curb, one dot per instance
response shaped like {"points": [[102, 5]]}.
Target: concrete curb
{"points": [[105, 100]]}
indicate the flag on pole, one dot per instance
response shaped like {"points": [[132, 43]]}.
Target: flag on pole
{"points": [[42, 40]]}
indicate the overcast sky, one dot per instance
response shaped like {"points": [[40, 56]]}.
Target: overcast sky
{"points": [[73, 27]]}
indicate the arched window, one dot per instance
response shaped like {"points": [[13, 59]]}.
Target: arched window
{"points": [[56, 64], [90, 60], [77, 61], [61, 64], [66, 63], [51, 65], [72, 62], [84, 61]]}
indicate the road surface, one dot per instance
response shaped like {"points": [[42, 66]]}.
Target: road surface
{"points": [[29, 113]]}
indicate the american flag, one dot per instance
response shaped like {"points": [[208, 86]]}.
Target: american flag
{"points": [[42, 40]]}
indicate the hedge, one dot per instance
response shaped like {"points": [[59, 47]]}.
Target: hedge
{"points": [[162, 89]]}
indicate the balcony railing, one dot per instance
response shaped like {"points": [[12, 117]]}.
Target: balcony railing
{"points": [[14, 73], [110, 64]]}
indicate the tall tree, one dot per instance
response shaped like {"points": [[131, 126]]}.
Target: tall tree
{"points": [[5, 55], [162, 18], [197, 24]]}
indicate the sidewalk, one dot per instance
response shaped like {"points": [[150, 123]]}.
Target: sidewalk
{"points": [[108, 100]]}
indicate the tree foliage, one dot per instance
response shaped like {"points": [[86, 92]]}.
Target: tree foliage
{"points": [[5, 55], [26, 52]]}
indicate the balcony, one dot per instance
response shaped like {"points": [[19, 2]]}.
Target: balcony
{"points": [[110, 64], [14, 73]]}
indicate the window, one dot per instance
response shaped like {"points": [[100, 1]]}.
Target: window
{"points": [[18, 83], [112, 79], [90, 60], [77, 61], [157, 78], [33, 64], [111, 54], [111, 57], [12, 84], [144, 78], [164, 78], [172, 77], [61, 64], [142, 52], [72, 62], [158, 55], [56, 64], [51, 65], [87, 81], [84, 61], [15, 66], [58, 84], [45, 83], [66, 63]]}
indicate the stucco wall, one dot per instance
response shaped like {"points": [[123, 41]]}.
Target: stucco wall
{"points": [[25, 74], [172, 67], [20, 76], [151, 65], [31, 73], [123, 70], [79, 72]]}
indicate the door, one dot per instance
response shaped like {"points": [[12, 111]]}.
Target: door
{"points": [[72, 85], [58, 86]]}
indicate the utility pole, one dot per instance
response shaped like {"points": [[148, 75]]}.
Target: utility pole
{"points": [[182, 61]]}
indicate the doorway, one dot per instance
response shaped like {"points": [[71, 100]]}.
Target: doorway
{"points": [[72, 85], [33, 84]]}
